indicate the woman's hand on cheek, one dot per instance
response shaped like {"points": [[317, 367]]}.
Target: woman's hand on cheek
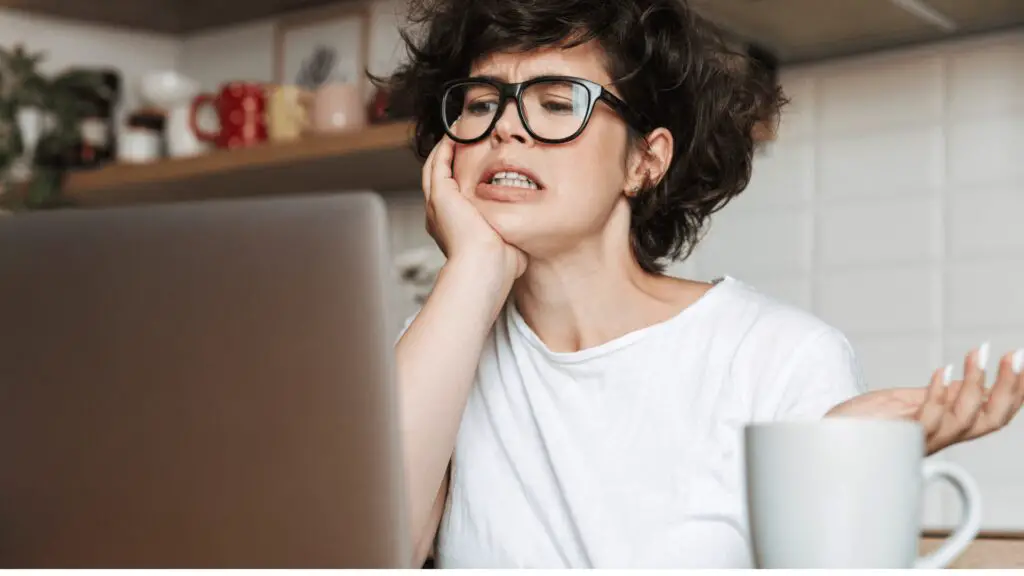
{"points": [[950, 411], [455, 224]]}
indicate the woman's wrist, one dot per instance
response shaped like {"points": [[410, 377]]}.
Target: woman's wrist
{"points": [[478, 278]]}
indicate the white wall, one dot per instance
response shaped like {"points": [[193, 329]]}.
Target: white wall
{"points": [[892, 206]]}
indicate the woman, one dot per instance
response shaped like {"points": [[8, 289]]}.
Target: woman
{"points": [[564, 402]]}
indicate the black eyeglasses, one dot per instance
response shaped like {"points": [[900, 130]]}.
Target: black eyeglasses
{"points": [[553, 109]]}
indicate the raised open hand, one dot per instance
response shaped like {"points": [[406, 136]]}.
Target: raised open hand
{"points": [[950, 411]]}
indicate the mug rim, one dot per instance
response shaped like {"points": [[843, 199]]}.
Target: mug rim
{"points": [[834, 422]]}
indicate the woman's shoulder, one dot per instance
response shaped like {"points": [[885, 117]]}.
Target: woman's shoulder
{"points": [[790, 356], [744, 307]]}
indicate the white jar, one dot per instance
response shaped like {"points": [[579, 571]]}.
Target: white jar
{"points": [[138, 145], [142, 139]]}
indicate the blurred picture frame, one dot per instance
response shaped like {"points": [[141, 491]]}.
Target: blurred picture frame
{"points": [[323, 45]]}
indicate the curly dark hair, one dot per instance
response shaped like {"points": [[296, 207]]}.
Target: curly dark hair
{"points": [[668, 62]]}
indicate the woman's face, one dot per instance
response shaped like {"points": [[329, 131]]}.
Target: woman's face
{"points": [[579, 184]]}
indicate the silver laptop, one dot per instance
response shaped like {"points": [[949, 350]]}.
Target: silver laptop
{"points": [[199, 385]]}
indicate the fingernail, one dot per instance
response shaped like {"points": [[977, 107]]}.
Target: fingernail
{"points": [[1017, 362], [947, 374], [982, 357]]}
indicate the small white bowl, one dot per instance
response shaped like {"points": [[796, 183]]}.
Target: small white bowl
{"points": [[167, 88]]}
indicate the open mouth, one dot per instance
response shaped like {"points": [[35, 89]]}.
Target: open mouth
{"points": [[512, 179]]}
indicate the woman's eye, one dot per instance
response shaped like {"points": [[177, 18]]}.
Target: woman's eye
{"points": [[480, 107], [558, 106]]}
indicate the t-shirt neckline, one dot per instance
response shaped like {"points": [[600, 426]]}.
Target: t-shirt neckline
{"points": [[519, 324]]}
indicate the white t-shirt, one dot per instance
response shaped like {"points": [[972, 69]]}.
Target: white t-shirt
{"points": [[629, 454]]}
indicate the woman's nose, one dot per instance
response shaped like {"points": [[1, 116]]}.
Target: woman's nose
{"points": [[509, 126]]}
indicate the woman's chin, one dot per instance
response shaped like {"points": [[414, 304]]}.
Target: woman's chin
{"points": [[533, 228], [514, 222]]}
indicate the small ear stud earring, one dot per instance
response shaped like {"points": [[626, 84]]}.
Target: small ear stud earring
{"points": [[635, 190]]}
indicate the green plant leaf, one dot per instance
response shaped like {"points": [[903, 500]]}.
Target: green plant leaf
{"points": [[65, 99], [44, 189]]}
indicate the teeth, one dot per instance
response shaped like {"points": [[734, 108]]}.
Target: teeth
{"points": [[513, 180], [514, 183]]}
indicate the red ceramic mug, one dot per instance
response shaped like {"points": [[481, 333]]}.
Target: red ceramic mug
{"points": [[241, 109]]}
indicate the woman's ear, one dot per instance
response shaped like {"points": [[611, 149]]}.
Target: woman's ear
{"points": [[649, 162]]}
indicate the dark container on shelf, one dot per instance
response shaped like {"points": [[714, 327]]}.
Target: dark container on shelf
{"points": [[97, 141]]}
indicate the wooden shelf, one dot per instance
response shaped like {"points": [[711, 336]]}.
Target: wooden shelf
{"points": [[379, 158]]}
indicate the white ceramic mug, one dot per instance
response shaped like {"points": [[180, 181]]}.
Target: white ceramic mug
{"points": [[847, 493]]}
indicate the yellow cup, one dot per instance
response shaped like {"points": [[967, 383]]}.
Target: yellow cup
{"points": [[288, 112]]}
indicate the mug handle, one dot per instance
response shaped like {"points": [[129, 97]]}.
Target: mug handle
{"points": [[970, 521], [197, 103]]}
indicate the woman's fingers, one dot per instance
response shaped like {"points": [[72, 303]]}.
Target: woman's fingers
{"points": [[442, 170], [963, 402], [1018, 366], [437, 175], [1002, 402], [428, 173], [934, 405], [967, 404], [445, 146], [969, 410], [427, 177]]}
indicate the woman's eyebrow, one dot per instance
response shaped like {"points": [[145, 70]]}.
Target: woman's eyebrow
{"points": [[502, 77]]}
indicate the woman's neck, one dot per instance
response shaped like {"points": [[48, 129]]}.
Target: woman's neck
{"points": [[595, 294]]}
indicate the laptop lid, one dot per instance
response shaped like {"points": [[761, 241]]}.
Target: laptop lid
{"points": [[204, 384]]}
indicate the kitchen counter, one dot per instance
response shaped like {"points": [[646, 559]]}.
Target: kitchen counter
{"points": [[989, 550]]}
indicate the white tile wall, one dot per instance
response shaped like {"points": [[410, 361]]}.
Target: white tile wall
{"points": [[985, 152], [757, 243], [911, 167], [907, 231], [889, 162], [985, 222], [880, 92], [774, 182], [985, 294], [987, 78]]}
